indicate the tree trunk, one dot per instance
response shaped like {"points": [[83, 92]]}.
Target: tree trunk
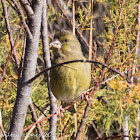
{"points": [[24, 89]]}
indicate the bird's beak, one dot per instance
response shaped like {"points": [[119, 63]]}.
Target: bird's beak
{"points": [[56, 44]]}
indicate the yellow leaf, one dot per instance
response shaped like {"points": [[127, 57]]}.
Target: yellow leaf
{"points": [[116, 84]]}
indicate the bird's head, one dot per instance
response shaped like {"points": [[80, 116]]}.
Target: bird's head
{"points": [[65, 44]]}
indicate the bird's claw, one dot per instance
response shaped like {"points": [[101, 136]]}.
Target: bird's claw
{"points": [[59, 111], [86, 96]]}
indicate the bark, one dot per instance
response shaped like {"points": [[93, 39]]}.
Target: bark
{"points": [[46, 57], [126, 128], [30, 60]]}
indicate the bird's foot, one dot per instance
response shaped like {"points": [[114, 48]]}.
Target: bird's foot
{"points": [[59, 111], [86, 96]]}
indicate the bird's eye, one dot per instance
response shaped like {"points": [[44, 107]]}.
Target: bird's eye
{"points": [[65, 40]]}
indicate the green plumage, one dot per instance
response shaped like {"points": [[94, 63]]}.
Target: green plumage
{"points": [[70, 80]]}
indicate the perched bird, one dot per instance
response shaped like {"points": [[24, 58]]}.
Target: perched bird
{"points": [[68, 81]]}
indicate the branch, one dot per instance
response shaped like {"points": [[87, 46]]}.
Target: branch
{"points": [[51, 115], [96, 129], [35, 118], [32, 128], [93, 89], [1, 126], [46, 57], [118, 136], [113, 78], [27, 7], [22, 57], [115, 35], [9, 31], [21, 15], [80, 129], [87, 107], [78, 32], [73, 61], [90, 32], [40, 109], [73, 16], [13, 44]]}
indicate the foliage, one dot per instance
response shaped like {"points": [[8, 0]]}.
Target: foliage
{"points": [[115, 99]]}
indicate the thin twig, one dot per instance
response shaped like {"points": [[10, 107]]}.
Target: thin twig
{"points": [[127, 66], [22, 57], [87, 107], [49, 116], [13, 44], [93, 89], [73, 61], [80, 129], [78, 32], [32, 128], [39, 109], [9, 31], [90, 37], [11, 4], [35, 118], [115, 35], [73, 15], [10, 56], [112, 78], [118, 136], [96, 130], [131, 53], [21, 15]]}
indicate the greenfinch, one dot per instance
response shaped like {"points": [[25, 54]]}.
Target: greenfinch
{"points": [[68, 81]]}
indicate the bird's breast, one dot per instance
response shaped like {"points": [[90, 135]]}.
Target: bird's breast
{"points": [[69, 81]]}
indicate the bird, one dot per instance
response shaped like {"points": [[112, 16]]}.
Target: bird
{"points": [[68, 81]]}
